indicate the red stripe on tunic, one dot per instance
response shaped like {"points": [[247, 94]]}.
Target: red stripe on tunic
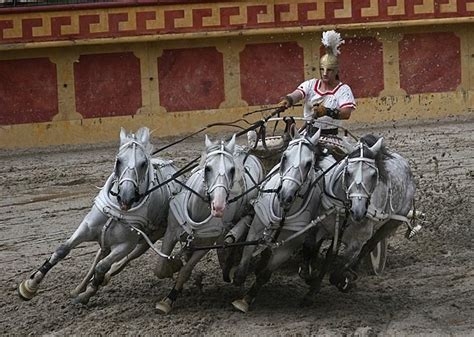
{"points": [[302, 91], [328, 92], [348, 104]]}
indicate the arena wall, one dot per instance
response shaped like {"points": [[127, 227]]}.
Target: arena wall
{"points": [[76, 74]]}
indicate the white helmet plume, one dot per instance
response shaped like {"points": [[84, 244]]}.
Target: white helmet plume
{"points": [[332, 40]]}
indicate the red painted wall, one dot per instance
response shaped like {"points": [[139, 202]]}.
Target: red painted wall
{"points": [[191, 79], [430, 62], [28, 91], [361, 66], [107, 85], [270, 71]]}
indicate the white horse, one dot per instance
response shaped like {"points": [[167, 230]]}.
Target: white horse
{"points": [[281, 217], [122, 213], [202, 212], [368, 195]]}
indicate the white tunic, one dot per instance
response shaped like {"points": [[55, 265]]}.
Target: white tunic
{"points": [[340, 97]]}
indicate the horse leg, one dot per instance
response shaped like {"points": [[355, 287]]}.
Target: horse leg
{"points": [[228, 256], [166, 267], [310, 249], [139, 250], [239, 230], [238, 275], [269, 262], [316, 282], [29, 287], [117, 252], [82, 286], [165, 305]]}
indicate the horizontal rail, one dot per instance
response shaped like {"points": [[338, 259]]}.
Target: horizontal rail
{"points": [[235, 33]]}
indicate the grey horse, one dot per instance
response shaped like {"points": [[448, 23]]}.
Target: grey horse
{"points": [[122, 216], [368, 195], [282, 215], [202, 213]]}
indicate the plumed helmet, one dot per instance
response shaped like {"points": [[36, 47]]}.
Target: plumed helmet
{"points": [[331, 41]]}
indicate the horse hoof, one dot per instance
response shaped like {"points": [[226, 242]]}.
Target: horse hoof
{"points": [[107, 278], [25, 292], [81, 299], [241, 305], [75, 293], [306, 274], [164, 306]]}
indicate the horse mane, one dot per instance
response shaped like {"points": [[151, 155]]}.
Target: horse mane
{"points": [[380, 158]]}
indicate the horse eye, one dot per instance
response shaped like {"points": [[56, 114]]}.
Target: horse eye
{"points": [[232, 171]]}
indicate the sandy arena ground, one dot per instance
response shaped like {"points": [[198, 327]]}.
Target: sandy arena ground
{"points": [[427, 288]]}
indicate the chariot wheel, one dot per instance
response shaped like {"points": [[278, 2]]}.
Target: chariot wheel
{"points": [[377, 258]]}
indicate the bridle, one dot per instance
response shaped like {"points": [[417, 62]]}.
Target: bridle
{"points": [[132, 166], [357, 188], [226, 182], [299, 178]]}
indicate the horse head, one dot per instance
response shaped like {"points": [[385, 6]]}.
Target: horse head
{"points": [[219, 173], [132, 167], [361, 176], [296, 163]]}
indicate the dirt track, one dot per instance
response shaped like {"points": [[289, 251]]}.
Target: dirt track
{"points": [[428, 286]]}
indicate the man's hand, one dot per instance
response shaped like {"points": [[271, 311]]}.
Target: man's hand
{"points": [[286, 102], [319, 111]]}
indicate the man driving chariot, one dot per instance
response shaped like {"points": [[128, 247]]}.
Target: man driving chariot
{"points": [[327, 100]]}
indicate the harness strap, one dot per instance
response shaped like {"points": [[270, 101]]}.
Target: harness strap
{"points": [[148, 241], [256, 185], [104, 229], [192, 191], [312, 224]]}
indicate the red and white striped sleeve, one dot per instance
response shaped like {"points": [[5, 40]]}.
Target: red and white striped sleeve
{"points": [[346, 98]]}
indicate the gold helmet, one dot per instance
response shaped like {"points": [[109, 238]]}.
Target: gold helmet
{"points": [[331, 41]]}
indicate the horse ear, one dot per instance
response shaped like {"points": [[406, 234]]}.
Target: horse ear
{"points": [[295, 134], [231, 144], [314, 139], [123, 135], [208, 141], [143, 135], [349, 146], [377, 146]]}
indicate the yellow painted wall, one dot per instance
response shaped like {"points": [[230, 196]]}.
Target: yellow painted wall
{"points": [[68, 126]]}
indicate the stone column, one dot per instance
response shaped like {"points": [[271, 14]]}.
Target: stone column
{"points": [[64, 60], [391, 63], [466, 37], [310, 43], [231, 57], [148, 54]]}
